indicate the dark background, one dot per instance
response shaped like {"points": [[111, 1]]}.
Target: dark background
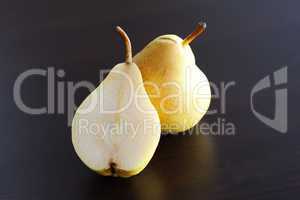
{"points": [[244, 42]]}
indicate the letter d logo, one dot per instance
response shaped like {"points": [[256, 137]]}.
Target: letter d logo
{"points": [[279, 122]]}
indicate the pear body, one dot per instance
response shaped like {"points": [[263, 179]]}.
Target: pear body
{"points": [[116, 129], [178, 89]]}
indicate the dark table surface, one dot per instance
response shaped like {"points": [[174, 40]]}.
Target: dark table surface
{"points": [[245, 41]]}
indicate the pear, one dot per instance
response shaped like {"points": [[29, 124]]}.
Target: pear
{"points": [[116, 129], [178, 89]]}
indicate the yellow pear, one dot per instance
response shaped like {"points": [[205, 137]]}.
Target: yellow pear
{"points": [[178, 89], [116, 129]]}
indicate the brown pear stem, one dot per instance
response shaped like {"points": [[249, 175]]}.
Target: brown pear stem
{"points": [[198, 31], [126, 40]]}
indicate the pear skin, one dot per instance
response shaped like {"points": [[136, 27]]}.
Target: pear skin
{"points": [[178, 89]]}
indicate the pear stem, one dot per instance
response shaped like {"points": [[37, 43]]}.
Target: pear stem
{"points": [[198, 31], [126, 40]]}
